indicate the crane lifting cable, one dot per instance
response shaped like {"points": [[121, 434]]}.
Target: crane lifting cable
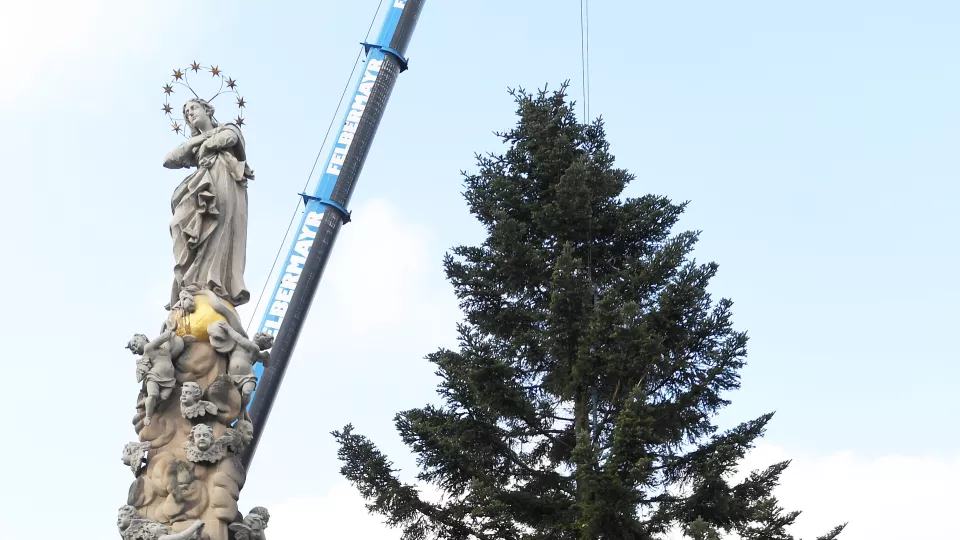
{"points": [[325, 209], [585, 83], [296, 209], [585, 56]]}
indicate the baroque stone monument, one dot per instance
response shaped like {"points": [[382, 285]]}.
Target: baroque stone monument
{"points": [[197, 375]]}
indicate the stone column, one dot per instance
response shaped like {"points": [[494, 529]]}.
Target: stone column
{"points": [[187, 464]]}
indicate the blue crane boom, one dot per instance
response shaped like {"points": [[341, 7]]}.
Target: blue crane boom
{"points": [[325, 210]]}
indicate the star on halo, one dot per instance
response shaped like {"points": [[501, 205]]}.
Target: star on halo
{"points": [[179, 76]]}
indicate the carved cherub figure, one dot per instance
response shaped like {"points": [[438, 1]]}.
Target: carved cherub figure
{"points": [[201, 446], [252, 526], [180, 477], [155, 367], [191, 406], [238, 437], [134, 455], [134, 527], [187, 304], [244, 354]]}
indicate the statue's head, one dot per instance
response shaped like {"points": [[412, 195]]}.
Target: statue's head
{"points": [[129, 450], [190, 393], [264, 340], [187, 302], [185, 472], [202, 437], [137, 343], [245, 427], [199, 115], [132, 453], [258, 517], [126, 516]]}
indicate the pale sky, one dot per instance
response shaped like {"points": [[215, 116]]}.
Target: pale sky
{"points": [[815, 140]]}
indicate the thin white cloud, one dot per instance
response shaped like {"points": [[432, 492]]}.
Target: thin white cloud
{"points": [[885, 498], [383, 304], [339, 513], [384, 279], [42, 36], [382, 270], [891, 497], [47, 44]]}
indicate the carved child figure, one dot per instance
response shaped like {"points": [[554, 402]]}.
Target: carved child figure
{"points": [[243, 354], [155, 367], [191, 406], [201, 446], [238, 437], [252, 526], [134, 527], [180, 478], [187, 304], [135, 455]]}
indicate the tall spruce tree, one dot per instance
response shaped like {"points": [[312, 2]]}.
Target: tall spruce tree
{"points": [[592, 360]]}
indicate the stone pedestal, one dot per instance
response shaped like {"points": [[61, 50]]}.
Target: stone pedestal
{"points": [[171, 489]]}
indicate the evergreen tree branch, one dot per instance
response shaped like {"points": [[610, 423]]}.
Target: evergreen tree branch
{"points": [[834, 533]]}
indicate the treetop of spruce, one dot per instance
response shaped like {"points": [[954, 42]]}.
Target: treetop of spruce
{"points": [[592, 360]]}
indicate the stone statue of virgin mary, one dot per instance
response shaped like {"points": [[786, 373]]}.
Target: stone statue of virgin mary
{"points": [[209, 226]]}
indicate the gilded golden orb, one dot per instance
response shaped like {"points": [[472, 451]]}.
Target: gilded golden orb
{"points": [[195, 324]]}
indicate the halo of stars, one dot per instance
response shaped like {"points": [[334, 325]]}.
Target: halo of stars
{"points": [[180, 77]]}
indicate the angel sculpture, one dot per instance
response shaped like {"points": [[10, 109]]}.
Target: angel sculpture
{"points": [[180, 478], [134, 455], [252, 526], [191, 406], [155, 367], [238, 437], [186, 304], [200, 446], [134, 527], [243, 354]]}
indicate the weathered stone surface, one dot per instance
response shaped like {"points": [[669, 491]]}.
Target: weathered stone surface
{"points": [[190, 414], [133, 527], [192, 404], [209, 225], [252, 526], [243, 354], [135, 456], [174, 490]]}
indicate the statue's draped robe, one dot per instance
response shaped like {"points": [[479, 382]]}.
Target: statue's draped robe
{"points": [[209, 226]]}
